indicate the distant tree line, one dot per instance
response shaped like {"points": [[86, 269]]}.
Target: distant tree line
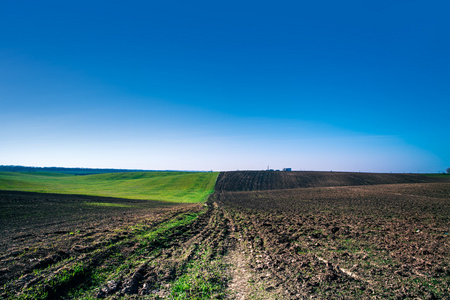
{"points": [[76, 171]]}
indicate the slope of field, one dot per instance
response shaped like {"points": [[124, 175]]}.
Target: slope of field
{"points": [[273, 180], [186, 187], [385, 241]]}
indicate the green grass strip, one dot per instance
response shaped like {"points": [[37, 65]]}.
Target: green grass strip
{"points": [[181, 187]]}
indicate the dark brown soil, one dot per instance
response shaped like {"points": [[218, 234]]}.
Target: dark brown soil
{"points": [[274, 180], [38, 230], [384, 241], [122, 244]]}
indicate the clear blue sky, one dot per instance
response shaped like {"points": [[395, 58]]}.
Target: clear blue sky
{"points": [[201, 85]]}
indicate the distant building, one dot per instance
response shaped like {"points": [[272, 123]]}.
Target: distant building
{"points": [[287, 169]]}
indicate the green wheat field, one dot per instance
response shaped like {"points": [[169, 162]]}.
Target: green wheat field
{"points": [[181, 187]]}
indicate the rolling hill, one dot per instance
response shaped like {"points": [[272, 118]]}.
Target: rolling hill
{"points": [[183, 187]]}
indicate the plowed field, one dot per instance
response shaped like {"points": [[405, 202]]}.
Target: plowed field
{"points": [[322, 242], [263, 180], [385, 241]]}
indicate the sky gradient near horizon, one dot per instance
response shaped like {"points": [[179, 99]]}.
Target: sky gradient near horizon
{"points": [[206, 85]]}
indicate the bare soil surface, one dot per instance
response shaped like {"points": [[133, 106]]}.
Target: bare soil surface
{"points": [[45, 235], [275, 180], [386, 241]]}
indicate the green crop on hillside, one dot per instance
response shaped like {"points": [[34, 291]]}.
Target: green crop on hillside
{"points": [[183, 187]]}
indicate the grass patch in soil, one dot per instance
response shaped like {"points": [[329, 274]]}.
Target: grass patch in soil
{"points": [[203, 279], [102, 204], [80, 279]]}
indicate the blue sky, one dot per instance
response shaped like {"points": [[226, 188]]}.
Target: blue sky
{"points": [[207, 85]]}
